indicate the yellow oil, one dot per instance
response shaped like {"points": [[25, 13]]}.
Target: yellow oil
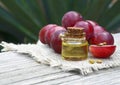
{"points": [[74, 50]]}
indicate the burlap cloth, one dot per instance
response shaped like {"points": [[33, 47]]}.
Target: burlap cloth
{"points": [[45, 55]]}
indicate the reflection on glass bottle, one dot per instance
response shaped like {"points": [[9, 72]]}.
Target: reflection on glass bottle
{"points": [[74, 44]]}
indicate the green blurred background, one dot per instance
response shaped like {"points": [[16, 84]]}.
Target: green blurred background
{"points": [[21, 20]]}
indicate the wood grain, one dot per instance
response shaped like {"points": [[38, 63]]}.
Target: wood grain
{"points": [[18, 69]]}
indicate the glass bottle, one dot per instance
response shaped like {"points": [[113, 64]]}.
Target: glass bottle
{"points": [[74, 44]]}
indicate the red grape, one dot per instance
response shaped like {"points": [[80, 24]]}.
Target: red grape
{"points": [[102, 37], [93, 23], [56, 42], [98, 29], [50, 32], [88, 28], [104, 51], [70, 18], [43, 31]]}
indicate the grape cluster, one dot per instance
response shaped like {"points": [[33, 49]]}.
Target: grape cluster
{"points": [[95, 34]]}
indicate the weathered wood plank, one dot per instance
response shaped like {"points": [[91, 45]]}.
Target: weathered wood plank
{"points": [[25, 74], [45, 78], [58, 80], [15, 66], [7, 56], [25, 71], [18, 72], [33, 75], [100, 78], [10, 59]]}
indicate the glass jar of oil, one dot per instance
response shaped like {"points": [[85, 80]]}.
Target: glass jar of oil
{"points": [[74, 44]]}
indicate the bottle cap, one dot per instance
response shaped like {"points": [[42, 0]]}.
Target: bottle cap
{"points": [[75, 30]]}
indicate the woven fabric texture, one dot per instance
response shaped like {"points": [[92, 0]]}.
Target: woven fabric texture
{"points": [[45, 55]]}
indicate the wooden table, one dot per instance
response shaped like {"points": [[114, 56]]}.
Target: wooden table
{"points": [[18, 69]]}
